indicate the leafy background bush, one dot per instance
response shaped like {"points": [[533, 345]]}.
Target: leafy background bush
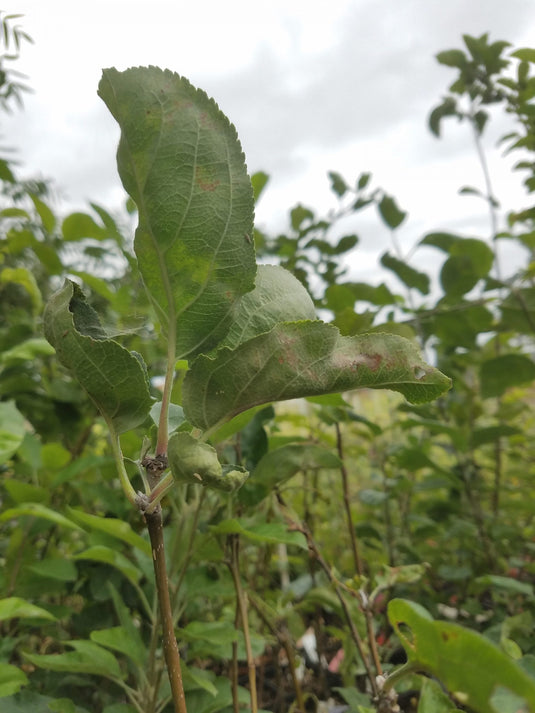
{"points": [[360, 508]]}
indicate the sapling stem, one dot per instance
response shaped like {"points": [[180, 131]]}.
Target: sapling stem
{"points": [[347, 503], [233, 565], [313, 550], [170, 646]]}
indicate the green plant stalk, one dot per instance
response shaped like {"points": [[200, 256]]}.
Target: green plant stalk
{"points": [[163, 425], [119, 462], [233, 565], [356, 554], [234, 666], [347, 504], [313, 549], [170, 646], [284, 641]]}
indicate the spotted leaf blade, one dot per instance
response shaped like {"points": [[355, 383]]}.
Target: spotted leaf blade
{"points": [[297, 359], [181, 161]]}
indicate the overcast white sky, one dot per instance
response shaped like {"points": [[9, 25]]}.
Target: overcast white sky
{"points": [[311, 86]]}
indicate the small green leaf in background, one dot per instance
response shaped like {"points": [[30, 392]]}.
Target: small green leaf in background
{"points": [[39, 510], [472, 669], [47, 216], [390, 213], [120, 639], [12, 679], [281, 464], [57, 568], [87, 657], [501, 372], [77, 226], [192, 461], [12, 429], [506, 584], [114, 378], [259, 181], [407, 274], [297, 359], [105, 555], [17, 608], [111, 526], [338, 185], [27, 350], [180, 159], [23, 277], [270, 532], [433, 699]]}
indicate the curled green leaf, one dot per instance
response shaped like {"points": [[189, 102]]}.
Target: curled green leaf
{"points": [[192, 461], [115, 379]]}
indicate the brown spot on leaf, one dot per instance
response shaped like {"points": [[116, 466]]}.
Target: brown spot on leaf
{"points": [[204, 179]]}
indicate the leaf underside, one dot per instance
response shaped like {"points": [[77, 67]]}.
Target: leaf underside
{"points": [[180, 160]]}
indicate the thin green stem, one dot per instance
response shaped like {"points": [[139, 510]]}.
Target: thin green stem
{"points": [[163, 425], [347, 503], [313, 549], [119, 462], [233, 565]]}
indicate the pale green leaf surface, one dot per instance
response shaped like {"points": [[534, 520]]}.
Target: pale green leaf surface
{"points": [[26, 279], [270, 532], [27, 350], [433, 699], [39, 510], [12, 429], [472, 668], [100, 553], [57, 568], [192, 461], [120, 639], [11, 679], [297, 359], [277, 297], [87, 657], [111, 526], [114, 378], [180, 159], [17, 608], [281, 464]]}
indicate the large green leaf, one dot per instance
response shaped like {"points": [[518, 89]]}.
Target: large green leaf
{"points": [[473, 669], [17, 608], [277, 297], [87, 657], [297, 359], [11, 679], [281, 464], [501, 372], [113, 527], [41, 511], [407, 274], [12, 429], [119, 638], [114, 378], [106, 555], [270, 532], [180, 160]]}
